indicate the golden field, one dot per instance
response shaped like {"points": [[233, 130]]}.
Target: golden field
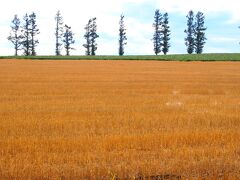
{"points": [[119, 120]]}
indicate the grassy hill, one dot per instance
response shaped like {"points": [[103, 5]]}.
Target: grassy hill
{"points": [[175, 57]]}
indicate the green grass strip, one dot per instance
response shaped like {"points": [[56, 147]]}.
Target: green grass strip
{"points": [[175, 57]]}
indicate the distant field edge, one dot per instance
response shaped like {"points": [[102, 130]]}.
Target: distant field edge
{"points": [[172, 57]]}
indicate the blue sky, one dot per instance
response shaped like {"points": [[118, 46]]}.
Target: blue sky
{"points": [[222, 21]]}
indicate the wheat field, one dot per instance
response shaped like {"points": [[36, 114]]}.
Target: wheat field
{"points": [[119, 120]]}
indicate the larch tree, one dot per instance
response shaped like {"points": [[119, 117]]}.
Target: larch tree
{"points": [[157, 36], [88, 38], [33, 32], [199, 33], [94, 36], [189, 40], [15, 35], [91, 36], [68, 39], [26, 35], [122, 36], [165, 34], [58, 33]]}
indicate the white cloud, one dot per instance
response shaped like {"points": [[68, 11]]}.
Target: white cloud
{"points": [[220, 39], [218, 50], [206, 6], [139, 37]]}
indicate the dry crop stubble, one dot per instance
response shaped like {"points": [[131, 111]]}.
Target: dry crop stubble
{"points": [[92, 119]]}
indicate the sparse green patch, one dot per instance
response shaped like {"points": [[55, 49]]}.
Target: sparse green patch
{"points": [[175, 57]]}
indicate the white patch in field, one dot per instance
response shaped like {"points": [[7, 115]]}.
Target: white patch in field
{"points": [[174, 104], [227, 93], [175, 92], [215, 103]]}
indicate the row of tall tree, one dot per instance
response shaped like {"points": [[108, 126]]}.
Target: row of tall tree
{"points": [[23, 36]]}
